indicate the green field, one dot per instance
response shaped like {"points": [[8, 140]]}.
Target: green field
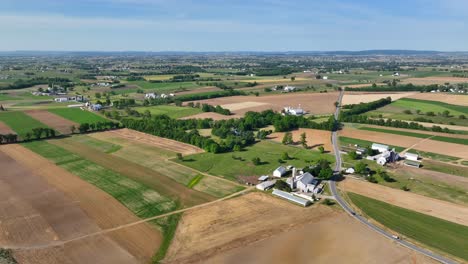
{"points": [[100, 145], [4, 97], [159, 162], [20, 122], [434, 232], [445, 168], [418, 135], [170, 110], [364, 143], [164, 87], [137, 197], [396, 111], [77, 115], [235, 164]]}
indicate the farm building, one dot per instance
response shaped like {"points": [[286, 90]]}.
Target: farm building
{"points": [[380, 147], [263, 178], [411, 156], [61, 99], [266, 185], [150, 96], [288, 88], [350, 170], [304, 182], [361, 151], [385, 157], [294, 111], [292, 198], [279, 172], [412, 163]]}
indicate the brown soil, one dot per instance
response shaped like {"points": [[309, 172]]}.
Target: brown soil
{"points": [[258, 228], [452, 180], [214, 116], [200, 90], [314, 137], [159, 182], [4, 129], [36, 213], [421, 132], [164, 143], [423, 204], [365, 97], [444, 148], [54, 121], [435, 80], [445, 98], [315, 103]]}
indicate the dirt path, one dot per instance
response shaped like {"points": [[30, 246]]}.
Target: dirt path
{"points": [[426, 205], [160, 183], [54, 121], [414, 145]]}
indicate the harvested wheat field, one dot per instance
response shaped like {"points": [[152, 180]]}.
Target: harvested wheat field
{"points": [[314, 137], [423, 204], [455, 99], [434, 80], [214, 116], [54, 121], [366, 97], [4, 129], [164, 143], [420, 173], [457, 150], [251, 228], [52, 207], [315, 103]]}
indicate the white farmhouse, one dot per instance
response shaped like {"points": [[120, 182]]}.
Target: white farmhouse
{"points": [[288, 88], [279, 172], [304, 182], [150, 96]]}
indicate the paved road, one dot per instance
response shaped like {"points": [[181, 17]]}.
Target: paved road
{"points": [[361, 219]]}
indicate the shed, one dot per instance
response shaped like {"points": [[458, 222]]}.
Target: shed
{"points": [[350, 170], [292, 198], [279, 172], [263, 178], [265, 185], [380, 147], [411, 156], [412, 163]]}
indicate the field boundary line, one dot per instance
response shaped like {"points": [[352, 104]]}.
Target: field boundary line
{"points": [[415, 144]]}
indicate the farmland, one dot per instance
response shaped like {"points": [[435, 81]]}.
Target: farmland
{"points": [[20, 122], [358, 97], [54, 121], [169, 110], [455, 140], [434, 232], [233, 165], [77, 115]]}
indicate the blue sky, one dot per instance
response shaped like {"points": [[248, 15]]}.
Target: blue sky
{"points": [[236, 25]]}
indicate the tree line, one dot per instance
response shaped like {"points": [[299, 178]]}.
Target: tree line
{"points": [[393, 87], [356, 109], [21, 83], [362, 119]]}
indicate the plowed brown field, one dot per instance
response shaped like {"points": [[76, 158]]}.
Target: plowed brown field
{"points": [[51, 205], [314, 137], [258, 228], [54, 121], [365, 97], [423, 204], [164, 143], [315, 103], [4, 129]]}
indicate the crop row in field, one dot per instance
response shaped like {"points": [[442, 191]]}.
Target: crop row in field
{"points": [[170, 110], [434, 232], [418, 135], [77, 115], [20, 122], [137, 197]]}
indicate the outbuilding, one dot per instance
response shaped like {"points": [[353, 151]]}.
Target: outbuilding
{"points": [[380, 147], [411, 156], [265, 185], [292, 198], [279, 172], [412, 163], [263, 178]]}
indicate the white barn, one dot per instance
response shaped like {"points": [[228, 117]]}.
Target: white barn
{"points": [[280, 172], [265, 185], [380, 147], [304, 182], [411, 156]]}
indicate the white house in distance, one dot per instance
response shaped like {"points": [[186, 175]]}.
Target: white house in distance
{"points": [[150, 96], [294, 111], [288, 88], [280, 172]]}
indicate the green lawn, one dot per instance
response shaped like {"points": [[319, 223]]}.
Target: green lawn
{"points": [[20, 122], [137, 197], [418, 135], [235, 164], [434, 232], [364, 143], [170, 110], [77, 115]]}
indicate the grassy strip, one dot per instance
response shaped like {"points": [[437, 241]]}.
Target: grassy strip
{"points": [[137, 197], [434, 232], [445, 168], [20, 122], [418, 135], [170, 110], [77, 115], [168, 227], [425, 103], [364, 143], [194, 181]]}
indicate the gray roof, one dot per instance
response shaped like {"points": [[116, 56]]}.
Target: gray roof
{"points": [[263, 178], [306, 178], [377, 145], [281, 169], [291, 197]]}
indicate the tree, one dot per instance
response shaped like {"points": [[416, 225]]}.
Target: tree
{"points": [[282, 186], [97, 95], [462, 117], [336, 104], [285, 156], [418, 111], [37, 132], [353, 155], [325, 173], [179, 156], [237, 148], [304, 140], [360, 167], [293, 78], [287, 138], [321, 149], [256, 161], [28, 136], [1, 108], [73, 129], [407, 111]]}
